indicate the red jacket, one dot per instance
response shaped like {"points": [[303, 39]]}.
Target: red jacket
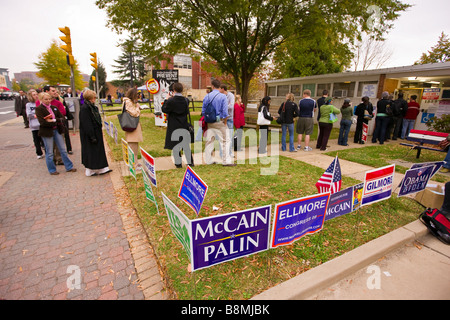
{"points": [[239, 118], [413, 111]]}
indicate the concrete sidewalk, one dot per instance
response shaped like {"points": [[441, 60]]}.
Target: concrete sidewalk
{"points": [[406, 264], [66, 236]]}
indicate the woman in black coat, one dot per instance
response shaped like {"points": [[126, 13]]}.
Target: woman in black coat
{"points": [[177, 110], [93, 155]]}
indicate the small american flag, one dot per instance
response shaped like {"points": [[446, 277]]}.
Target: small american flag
{"points": [[331, 180]]}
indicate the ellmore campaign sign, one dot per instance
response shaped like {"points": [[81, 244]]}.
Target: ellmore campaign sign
{"points": [[378, 185], [193, 190], [229, 236], [297, 218]]}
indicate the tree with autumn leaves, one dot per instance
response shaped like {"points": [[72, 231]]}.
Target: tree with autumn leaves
{"points": [[52, 66], [242, 35]]}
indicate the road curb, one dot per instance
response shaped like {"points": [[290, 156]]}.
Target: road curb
{"points": [[313, 281]]}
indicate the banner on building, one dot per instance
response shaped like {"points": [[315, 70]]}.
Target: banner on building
{"points": [[229, 236], [193, 190], [164, 79], [378, 184], [297, 218]]}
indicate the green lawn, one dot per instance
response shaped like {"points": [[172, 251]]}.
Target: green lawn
{"points": [[237, 188]]}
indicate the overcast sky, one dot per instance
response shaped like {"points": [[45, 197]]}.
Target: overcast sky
{"points": [[28, 27]]}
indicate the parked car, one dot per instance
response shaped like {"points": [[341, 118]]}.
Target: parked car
{"points": [[6, 95]]}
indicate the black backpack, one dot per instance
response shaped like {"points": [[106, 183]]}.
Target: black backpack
{"points": [[437, 223]]}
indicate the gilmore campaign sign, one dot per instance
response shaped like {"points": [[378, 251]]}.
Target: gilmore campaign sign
{"points": [[340, 204], [378, 185], [297, 218], [415, 180], [193, 190], [229, 236], [180, 224], [149, 166]]}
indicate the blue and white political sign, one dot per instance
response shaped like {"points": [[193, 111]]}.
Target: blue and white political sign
{"points": [[378, 185], [437, 166], [297, 218], [340, 204], [229, 236], [415, 180], [193, 190]]}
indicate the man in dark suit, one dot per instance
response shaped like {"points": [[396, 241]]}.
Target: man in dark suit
{"points": [[20, 107]]}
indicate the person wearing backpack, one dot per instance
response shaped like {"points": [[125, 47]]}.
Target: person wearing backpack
{"points": [[215, 111], [399, 108]]}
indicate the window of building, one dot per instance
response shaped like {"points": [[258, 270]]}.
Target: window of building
{"points": [[182, 62], [296, 90], [272, 91], [321, 87], [283, 91], [311, 87], [344, 89]]}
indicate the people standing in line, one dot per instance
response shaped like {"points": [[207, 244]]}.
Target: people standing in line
{"points": [[288, 112], [32, 97], [20, 104], [399, 108], [239, 121], [51, 126], [325, 123], [305, 123], [364, 113], [220, 103], [346, 123], [134, 109], [93, 155], [230, 99], [409, 120], [177, 109], [264, 123], [383, 117]]}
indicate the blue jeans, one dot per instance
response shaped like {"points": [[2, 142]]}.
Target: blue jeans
{"points": [[408, 125], [48, 143], [343, 132], [284, 128]]}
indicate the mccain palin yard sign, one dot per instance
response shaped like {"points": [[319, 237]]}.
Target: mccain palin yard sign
{"points": [[229, 236]]}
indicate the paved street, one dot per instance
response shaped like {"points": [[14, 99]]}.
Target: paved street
{"points": [[7, 110]]}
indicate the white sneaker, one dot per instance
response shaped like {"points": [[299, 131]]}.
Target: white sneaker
{"points": [[308, 149], [299, 147], [40, 157]]}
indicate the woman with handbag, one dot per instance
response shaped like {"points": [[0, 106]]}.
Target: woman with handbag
{"points": [[133, 108], [264, 120], [346, 123], [177, 110], [328, 116], [364, 113], [93, 155], [51, 128]]}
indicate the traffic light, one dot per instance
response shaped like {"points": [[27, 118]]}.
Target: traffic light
{"points": [[67, 47], [94, 60]]}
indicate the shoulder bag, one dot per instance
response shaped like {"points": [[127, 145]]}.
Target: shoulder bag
{"points": [[262, 121], [127, 122]]}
